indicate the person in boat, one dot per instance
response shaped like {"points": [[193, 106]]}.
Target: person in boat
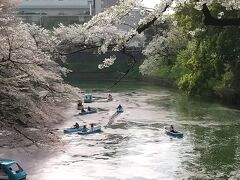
{"points": [[119, 106], [171, 129], [88, 96], [89, 108], [80, 105], [92, 125], [76, 125], [110, 98], [84, 128]]}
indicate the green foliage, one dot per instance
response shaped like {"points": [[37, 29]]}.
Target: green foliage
{"points": [[210, 60], [188, 18], [206, 58], [166, 72], [199, 61]]}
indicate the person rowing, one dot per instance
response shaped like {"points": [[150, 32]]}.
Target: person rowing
{"points": [[171, 129], [89, 108], [119, 106], [110, 98], [92, 126], [80, 106], [84, 128], [76, 125]]}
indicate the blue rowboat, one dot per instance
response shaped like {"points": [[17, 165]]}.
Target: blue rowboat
{"points": [[93, 110], [177, 134], [119, 110], [11, 170], [73, 130], [88, 98], [94, 130]]}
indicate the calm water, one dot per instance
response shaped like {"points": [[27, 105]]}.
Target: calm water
{"points": [[134, 146]]}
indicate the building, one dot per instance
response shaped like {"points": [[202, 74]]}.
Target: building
{"points": [[55, 7], [49, 13], [64, 7]]}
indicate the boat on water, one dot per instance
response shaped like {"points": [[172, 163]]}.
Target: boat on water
{"points": [[91, 111], [91, 131], [73, 130], [119, 110], [175, 133], [88, 98], [11, 170]]}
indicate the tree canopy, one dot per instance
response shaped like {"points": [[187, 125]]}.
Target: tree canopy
{"points": [[30, 77]]}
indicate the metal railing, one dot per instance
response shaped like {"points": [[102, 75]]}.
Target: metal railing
{"points": [[50, 21]]}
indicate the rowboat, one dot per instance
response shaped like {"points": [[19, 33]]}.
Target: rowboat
{"points": [[91, 131], [119, 110], [177, 134], [93, 110], [11, 170], [73, 130], [87, 98]]}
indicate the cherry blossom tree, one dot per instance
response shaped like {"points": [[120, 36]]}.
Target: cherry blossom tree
{"points": [[30, 78], [102, 33]]}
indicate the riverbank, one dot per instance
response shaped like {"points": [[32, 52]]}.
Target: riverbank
{"points": [[228, 97], [165, 82], [38, 133]]}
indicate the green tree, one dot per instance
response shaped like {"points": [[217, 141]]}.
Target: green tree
{"points": [[211, 58]]}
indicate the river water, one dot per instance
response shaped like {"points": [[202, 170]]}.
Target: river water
{"points": [[133, 144]]}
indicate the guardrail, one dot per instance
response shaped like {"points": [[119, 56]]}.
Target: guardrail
{"points": [[50, 21]]}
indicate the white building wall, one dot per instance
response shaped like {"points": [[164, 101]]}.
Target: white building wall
{"points": [[54, 7], [53, 3], [50, 13]]}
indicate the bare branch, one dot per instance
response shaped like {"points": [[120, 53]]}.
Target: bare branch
{"points": [[212, 21]]}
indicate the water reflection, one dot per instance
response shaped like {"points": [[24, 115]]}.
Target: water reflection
{"points": [[215, 133]]}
